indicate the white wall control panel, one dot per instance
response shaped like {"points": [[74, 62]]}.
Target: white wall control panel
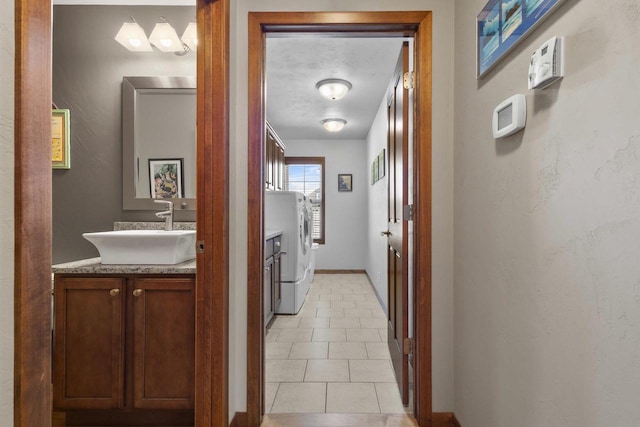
{"points": [[546, 65], [510, 116]]}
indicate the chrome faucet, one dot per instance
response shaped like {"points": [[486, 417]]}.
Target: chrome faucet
{"points": [[167, 215]]}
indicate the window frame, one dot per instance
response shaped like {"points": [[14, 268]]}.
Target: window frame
{"points": [[311, 161]]}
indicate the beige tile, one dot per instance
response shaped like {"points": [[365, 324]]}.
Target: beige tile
{"points": [[270, 390], [343, 304], [374, 322], [294, 335], [362, 335], [309, 350], [337, 334], [378, 313], [389, 398], [327, 370], [345, 322], [352, 398], [383, 334], [285, 322], [357, 312], [375, 371], [271, 335], [317, 304], [347, 350], [352, 297], [331, 312], [277, 350], [296, 398], [330, 297], [306, 312], [342, 291], [314, 322], [369, 304], [378, 350], [277, 371]]}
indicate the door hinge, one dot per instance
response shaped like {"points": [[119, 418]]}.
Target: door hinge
{"points": [[407, 212], [200, 246], [407, 346], [409, 80]]}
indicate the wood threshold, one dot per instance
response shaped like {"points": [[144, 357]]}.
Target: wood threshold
{"points": [[410, 23]]}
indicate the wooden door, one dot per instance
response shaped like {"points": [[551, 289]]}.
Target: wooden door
{"points": [[398, 283], [89, 343], [164, 336]]}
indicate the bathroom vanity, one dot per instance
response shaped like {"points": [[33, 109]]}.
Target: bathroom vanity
{"points": [[124, 349]]}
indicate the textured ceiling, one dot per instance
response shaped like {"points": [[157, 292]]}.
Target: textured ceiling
{"points": [[294, 66]]}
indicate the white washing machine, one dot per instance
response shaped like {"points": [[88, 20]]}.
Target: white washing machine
{"points": [[290, 212]]}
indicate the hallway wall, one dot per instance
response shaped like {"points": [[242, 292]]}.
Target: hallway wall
{"points": [[6, 211], [442, 171], [547, 290]]}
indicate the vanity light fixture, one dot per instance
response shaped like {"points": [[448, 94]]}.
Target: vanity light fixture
{"points": [[333, 125], [165, 38], [190, 36], [133, 37], [333, 88]]}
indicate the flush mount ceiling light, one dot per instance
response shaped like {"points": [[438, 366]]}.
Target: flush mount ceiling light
{"points": [[190, 36], [133, 37], [165, 38], [333, 125], [333, 88]]}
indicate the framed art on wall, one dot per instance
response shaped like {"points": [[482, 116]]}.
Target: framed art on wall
{"points": [[345, 182], [502, 24], [165, 178], [60, 145]]}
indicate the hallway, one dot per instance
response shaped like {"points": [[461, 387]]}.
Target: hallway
{"points": [[332, 357]]}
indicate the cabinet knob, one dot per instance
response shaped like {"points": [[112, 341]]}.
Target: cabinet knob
{"points": [[114, 292], [137, 292]]}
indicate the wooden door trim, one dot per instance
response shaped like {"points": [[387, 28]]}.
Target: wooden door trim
{"points": [[410, 23], [33, 228]]}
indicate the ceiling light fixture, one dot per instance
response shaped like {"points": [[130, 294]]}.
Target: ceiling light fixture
{"points": [[133, 37], [333, 88], [333, 125], [165, 38], [190, 36]]}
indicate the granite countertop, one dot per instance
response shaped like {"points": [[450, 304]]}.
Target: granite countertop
{"points": [[93, 266], [271, 233]]}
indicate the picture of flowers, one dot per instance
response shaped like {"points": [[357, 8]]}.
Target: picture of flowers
{"points": [[165, 178]]}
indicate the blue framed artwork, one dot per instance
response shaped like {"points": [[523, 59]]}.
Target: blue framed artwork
{"points": [[502, 24]]}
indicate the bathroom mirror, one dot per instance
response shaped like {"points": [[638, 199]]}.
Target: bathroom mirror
{"points": [[159, 142]]}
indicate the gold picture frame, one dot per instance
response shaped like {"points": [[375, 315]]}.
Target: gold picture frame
{"points": [[60, 146]]}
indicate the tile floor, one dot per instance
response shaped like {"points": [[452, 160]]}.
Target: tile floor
{"points": [[332, 356]]}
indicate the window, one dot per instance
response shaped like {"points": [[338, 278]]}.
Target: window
{"points": [[306, 175]]}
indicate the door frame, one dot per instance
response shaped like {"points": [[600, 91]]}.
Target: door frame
{"points": [[33, 225], [407, 23]]}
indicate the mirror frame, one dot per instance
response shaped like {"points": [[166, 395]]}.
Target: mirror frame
{"points": [[129, 87]]}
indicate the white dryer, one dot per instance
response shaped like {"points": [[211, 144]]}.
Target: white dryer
{"points": [[289, 211]]}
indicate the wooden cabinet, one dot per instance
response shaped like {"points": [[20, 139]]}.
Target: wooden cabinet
{"points": [[274, 168], [272, 278], [124, 343]]}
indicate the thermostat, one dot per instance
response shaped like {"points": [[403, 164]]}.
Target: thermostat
{"points": [[546, 65], [510, 116]]}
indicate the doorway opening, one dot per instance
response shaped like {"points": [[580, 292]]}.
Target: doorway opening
{"points": [[416, 25]]}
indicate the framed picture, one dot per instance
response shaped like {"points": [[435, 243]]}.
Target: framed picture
{"points": [[165, 178], [60, 146], [373, 180], [345, 182], [381, 165], [502, 24], [376, 169]]}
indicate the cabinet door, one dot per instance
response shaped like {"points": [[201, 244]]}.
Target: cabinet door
{"points": [[164, 343], [280, 165], [276, 282], [268, 290], [88, 343]]}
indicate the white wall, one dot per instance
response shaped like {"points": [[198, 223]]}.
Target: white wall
{"points": [[345, 212], [6, 212], [442, 171], [547, 279]]}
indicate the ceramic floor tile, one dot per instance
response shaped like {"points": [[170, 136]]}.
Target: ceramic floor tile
{"points": [[317, 304], [347, 350], [306, 312], [296, 398], [330, 297], [378, 313], [352, 398], [277, 350], [272, 334], [383, 334], [343, 304], [270, 390], [309, 350], [378, 350], [361, 335], [332, 312], [374, 322], [294, 335], [369, 304], [326, 370], [314, 322], [337, 334], [345, 322], [375, 371], [355, 298], [285, 322], [357, 312], [284, 370], [389, 398]]}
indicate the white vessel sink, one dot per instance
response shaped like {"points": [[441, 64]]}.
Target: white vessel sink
{"points": [[144, 246]]}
